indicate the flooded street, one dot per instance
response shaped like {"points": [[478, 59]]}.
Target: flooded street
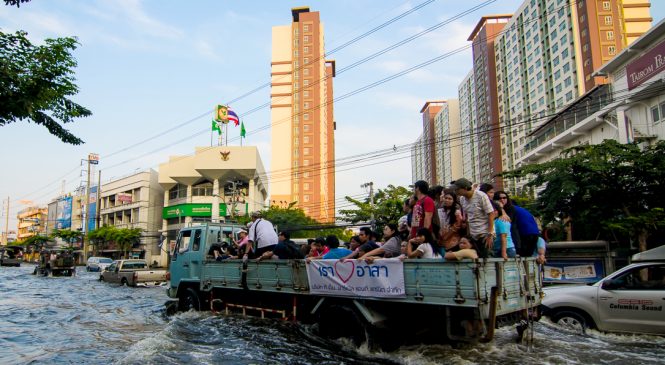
{"points": [[81, 320]]}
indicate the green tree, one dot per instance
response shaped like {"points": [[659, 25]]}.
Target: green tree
{"points": [[388, 205], [602, 190], [68, 235], [36, 83], [37, 241], [15, 2], [100, 238], [126, 238]]}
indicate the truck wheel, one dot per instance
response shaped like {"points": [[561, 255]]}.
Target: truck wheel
{"points": [[571, 320], [124, 282], [189, 299], [101, 277], [353, 326]]}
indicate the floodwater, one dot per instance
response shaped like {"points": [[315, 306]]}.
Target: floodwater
{"points": [[81, 320]]}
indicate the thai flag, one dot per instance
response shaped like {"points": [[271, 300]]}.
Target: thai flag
{"points": [[233, 117]]}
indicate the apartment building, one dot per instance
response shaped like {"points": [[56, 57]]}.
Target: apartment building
{"points": [[418, 160], [429, 139], [31, 222], [545, 58], [485, 90], [302, 117], [448, 142], [468, 128]]}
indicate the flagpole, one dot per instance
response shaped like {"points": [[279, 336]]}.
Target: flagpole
{"points": [[226, 126]]}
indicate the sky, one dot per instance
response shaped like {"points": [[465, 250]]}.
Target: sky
{"points": [[152, 72]]}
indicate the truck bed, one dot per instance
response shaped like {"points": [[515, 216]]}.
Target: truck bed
{"points": [[458, 284]]}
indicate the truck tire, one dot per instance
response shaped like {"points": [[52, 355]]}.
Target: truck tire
{"points": [[571, 320], [353, 325], [189, 299], [101, 277], [124, 282]]}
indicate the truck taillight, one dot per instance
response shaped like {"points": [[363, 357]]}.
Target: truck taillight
{"points": [[168, 276], [136, 275]]}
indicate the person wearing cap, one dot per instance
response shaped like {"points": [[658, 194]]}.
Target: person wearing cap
{"points": [[241, 243], [262, 235], [479, 213], [423, 210]]}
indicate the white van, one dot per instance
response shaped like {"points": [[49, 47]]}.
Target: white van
{"points": [[98, 263]]}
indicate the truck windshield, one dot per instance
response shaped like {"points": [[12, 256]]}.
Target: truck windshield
{"points": [[183, 241]]}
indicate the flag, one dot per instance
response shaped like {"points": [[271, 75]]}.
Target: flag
{"points": [[233, 117], [215, 127], [243, 132], [222, 114]]}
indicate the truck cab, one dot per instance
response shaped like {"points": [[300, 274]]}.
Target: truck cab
{"points": [[193, 248]]}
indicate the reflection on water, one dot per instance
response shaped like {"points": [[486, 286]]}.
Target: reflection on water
{"points": [[80, 320]]}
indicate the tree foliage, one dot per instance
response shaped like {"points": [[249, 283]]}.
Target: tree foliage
{"points": [[15, 2], [36, 83], [37, 241], [388, 205], [123, 238], [68, 235], [602, 190]]}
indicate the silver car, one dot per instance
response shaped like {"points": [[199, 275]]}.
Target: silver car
{"points": [[629, 300]]}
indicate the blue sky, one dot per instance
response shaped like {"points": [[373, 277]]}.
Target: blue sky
{"points": [[146, 67]]}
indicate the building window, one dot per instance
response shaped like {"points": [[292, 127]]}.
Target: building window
{"points": [[203, 189], [305, 186], [569, 96], [606, 5], [306, 198], [307, 151], [608, 20], [305, 127], [305, 116], [305, 60], [306, 71], [305, 93], [306, 105], [662, 109], [610, 35], [306, 39], [305, 163], [305, 139], [655, 114], [612, 50], [306, 49], [305, 82], [305, 27]]}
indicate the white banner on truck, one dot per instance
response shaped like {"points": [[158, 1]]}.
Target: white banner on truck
{"points": [[355, 278]]}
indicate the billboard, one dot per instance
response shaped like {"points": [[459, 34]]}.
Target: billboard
{"points": [[92, 209], [63, 213]]}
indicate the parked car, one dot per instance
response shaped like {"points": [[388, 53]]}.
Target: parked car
{"points": [[631, 299], [132, 273], [98, 263]]}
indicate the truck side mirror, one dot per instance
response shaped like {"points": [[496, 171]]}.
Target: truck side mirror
{"points": [[609, 284]]}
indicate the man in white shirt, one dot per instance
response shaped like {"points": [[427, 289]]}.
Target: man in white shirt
{"points": [[479, 214], [262, 235]]}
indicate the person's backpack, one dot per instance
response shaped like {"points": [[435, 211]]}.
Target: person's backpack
{"points": [[294, 250]]}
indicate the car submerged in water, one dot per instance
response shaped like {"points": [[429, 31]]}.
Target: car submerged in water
{"points": [[11, 256], [630, 300]]}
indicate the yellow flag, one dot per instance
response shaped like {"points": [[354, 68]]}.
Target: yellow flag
{"points": [[222, 114]]}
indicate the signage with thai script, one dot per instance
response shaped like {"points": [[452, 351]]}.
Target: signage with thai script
{"points": [[93, 158], [646, 67], [191, 210], [356, 278], [124, 197]]}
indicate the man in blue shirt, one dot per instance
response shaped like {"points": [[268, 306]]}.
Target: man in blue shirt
{"points": [[528, 230], [335, 252]]}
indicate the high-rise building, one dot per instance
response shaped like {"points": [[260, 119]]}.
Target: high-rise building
{"points": [[417, 160], [485, 83], [429, 138], [301, 101], [468, 127], [448, 144], [545, 58]]}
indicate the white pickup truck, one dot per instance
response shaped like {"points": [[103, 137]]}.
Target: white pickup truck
{"points": [[132, 273], [631, 299]]}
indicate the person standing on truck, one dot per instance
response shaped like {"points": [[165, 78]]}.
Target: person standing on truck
{"points": [[262, 236], [479, 215], [423, 210]]}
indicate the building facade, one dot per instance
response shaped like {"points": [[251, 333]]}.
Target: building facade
{"points": [[230, 178], [302, 117], [429, 140], [448, 142], [468, 127], [135, 201], [545, 58], [630, 108], [31, 222], [485, 83], [418, 160]]}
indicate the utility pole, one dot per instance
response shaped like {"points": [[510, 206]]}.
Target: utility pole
{"points": [[93, 159], [371, 202], [98, 209], [234, 186]]}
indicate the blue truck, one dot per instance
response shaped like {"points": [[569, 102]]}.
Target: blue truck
{"points": [[427, 299]]}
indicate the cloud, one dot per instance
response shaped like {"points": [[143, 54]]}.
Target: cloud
{"points": [[204, 48], [139, 19]]}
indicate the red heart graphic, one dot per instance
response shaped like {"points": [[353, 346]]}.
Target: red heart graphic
{"points": [[344, 265]]}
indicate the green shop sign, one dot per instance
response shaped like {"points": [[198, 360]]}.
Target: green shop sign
{"points": [[192, 210]]}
